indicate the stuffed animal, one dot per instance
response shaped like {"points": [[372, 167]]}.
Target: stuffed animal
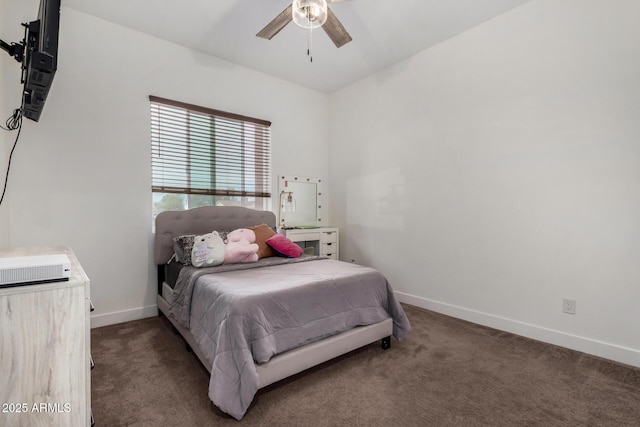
{"points": [[208, 250], [241, 246]]}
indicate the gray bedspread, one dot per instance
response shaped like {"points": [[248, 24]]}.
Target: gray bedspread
{"points": [[243, 316]]}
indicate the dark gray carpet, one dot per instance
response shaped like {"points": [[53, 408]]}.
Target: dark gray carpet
{"points": [[447, 373]]}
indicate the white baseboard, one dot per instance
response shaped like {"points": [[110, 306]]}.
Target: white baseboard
{"points": [[605, 350], [98, 320]]}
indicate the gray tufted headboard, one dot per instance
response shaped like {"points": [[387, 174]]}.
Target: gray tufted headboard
{"points": [[170, 224]]}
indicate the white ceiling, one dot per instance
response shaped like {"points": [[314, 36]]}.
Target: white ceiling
{"points": [[384, 32]]}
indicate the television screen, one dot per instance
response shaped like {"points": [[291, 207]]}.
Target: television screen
{"points": [[40, 58]]}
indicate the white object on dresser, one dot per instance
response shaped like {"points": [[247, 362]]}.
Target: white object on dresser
{"points": [[33, 269], [324, 240], [45, 349]]}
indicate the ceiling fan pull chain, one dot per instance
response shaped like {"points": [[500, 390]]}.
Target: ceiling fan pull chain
{"points": [[309, 42]]}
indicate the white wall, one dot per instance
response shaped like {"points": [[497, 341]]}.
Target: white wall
{"points": [[10, 91], [497, 173], [82, 177], [4, 63]]}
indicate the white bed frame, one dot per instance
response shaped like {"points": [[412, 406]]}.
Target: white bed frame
{"points": [[202, 220]]}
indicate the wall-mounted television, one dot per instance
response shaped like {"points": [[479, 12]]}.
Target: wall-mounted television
{"points": [[38, 54]]}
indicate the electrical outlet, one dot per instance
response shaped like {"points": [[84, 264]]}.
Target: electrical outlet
{"points": [[569, 306]]}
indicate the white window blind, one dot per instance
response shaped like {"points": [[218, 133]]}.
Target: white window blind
{"points": [[200, 151]]}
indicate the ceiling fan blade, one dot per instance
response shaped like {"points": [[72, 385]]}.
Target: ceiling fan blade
{"points": [[278, 23], [334, 29]]}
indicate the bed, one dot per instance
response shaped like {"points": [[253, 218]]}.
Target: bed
{"points": [[254, 324]]}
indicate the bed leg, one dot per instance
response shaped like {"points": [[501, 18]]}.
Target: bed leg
{"points": [[188, 347], [386, 343]]}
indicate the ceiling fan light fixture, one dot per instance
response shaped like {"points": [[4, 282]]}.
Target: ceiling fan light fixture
{"points": [[309, 13]]}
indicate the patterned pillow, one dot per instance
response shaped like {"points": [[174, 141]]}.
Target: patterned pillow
{"points": [[182, 246]]}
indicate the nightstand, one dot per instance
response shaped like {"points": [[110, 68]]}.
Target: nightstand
{"points": [[45, 348]]}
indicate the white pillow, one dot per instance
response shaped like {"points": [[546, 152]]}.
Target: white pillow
{"points": [[208, 250]]}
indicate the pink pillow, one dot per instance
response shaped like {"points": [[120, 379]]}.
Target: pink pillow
{"points": [[284, 246]]}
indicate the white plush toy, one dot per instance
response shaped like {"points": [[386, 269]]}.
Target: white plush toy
{"points": [[208, 250], [241, 246]]}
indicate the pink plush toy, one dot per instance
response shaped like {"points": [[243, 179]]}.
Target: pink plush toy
{"points": [[241, 247]]}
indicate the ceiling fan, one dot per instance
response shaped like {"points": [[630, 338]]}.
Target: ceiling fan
{"points": [[309, 14]]}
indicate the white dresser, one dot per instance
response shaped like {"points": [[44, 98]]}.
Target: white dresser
{"points": [[45, 356], [323, 241]]}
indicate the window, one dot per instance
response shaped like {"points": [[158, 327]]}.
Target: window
{"points": [[206, 157]]}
